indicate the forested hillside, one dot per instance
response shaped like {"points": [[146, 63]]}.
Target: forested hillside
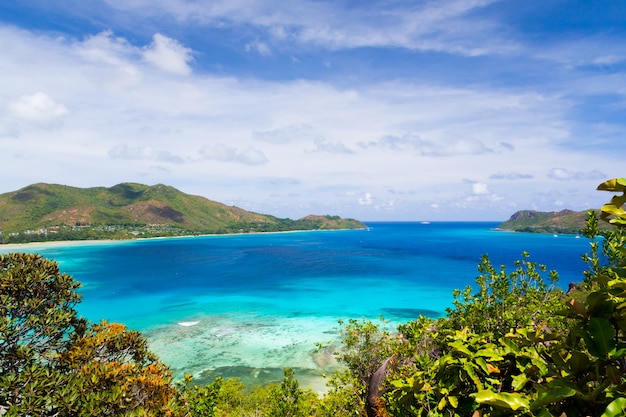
{"points": [[42, 212], [564, 221]]}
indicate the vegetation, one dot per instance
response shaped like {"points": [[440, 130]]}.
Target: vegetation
{"points": [[512, 344], [524, 354], [561, 222], [54, 363], [47, 212]]}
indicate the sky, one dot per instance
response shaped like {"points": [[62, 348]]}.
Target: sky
{"points": [[389, 110]]}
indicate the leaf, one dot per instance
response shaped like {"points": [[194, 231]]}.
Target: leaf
{"points": [[511, 401], [616, 184], [518, 381], [578, 362], [460, 346], [493, 369], [489, 353], [483, 365], [616, 211], [577, 306], [616, 408], [442, 403], [454, 401], [602, 335], [470, 372], [552, 396], [511, 346], [618, 200]]}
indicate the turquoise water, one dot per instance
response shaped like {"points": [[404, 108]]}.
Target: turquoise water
{"points": [[249, 305]]}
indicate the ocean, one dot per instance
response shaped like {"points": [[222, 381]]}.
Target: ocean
{"points": [[249, 305]]}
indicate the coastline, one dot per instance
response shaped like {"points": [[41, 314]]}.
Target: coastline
{"points": [[6, 247], [94, 242]]}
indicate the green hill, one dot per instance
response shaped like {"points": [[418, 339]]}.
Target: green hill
{"points": [[563, 222], [42, 212]]}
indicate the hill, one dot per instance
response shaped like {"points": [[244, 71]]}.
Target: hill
{"points": [[44, 212], [563, 222]]}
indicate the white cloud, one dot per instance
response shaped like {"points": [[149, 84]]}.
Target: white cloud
{"points": [[106, 48], [223, 153], [366, 199], [439, 26], [424, 147], [37, 108], [145, 153], [510, 176], [168, 55], [259, 47], [562, 174], [480, 188], [323, 145], [285, 135]]}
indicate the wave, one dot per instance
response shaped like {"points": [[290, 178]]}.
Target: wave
{"points": [[188, 323]]}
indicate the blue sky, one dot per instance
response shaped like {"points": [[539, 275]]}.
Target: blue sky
{"points": [[377, 110]]}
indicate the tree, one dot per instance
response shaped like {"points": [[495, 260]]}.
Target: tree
{"points": [[53, 364], [37, 317]]}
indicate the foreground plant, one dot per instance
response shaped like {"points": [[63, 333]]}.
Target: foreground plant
{"points": [[503, 351], [53, 363]]}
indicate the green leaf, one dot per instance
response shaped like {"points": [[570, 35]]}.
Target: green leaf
{"points": [[602, 335], [511, 401], [511, 346], [552, 396], [518, 381], [578, 362], [489, 353], [469, 369], [482, 364], [616, 184], [616, 408], [614, 210], [460, 346]]}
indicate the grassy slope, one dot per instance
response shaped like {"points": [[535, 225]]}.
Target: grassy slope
{"points": [[565, 221], [48, 205]]}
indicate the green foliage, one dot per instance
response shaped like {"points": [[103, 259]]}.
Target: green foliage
{"points": [[36, 318], [345, 397], [288, 400], [506, 301], [54, 364], [504, 351], [365, 345], [200, 401]]}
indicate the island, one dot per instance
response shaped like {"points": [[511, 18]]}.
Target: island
{"points": [[52, 212], [554, 222]]}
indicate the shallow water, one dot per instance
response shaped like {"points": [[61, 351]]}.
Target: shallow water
{"points": [[250, 305]]}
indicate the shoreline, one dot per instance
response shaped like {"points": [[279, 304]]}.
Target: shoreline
{"points": [[87, 242]]}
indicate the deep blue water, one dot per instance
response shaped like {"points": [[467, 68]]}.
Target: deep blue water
{"points": [[232, 304], [389, 269]]}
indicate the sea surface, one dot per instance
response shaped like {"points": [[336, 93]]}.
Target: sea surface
{"points": [[249, 305]]}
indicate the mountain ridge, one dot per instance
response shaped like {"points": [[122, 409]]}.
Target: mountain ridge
{"points": [[45, 211]]}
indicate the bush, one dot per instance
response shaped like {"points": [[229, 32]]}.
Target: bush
{"points": [[505, 351], [54, 364]]}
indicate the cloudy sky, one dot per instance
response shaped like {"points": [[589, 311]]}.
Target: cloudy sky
{"points": [[376, 110]]}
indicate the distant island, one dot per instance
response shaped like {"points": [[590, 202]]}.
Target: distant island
{"points": [[51, 212], [556, 222]]}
